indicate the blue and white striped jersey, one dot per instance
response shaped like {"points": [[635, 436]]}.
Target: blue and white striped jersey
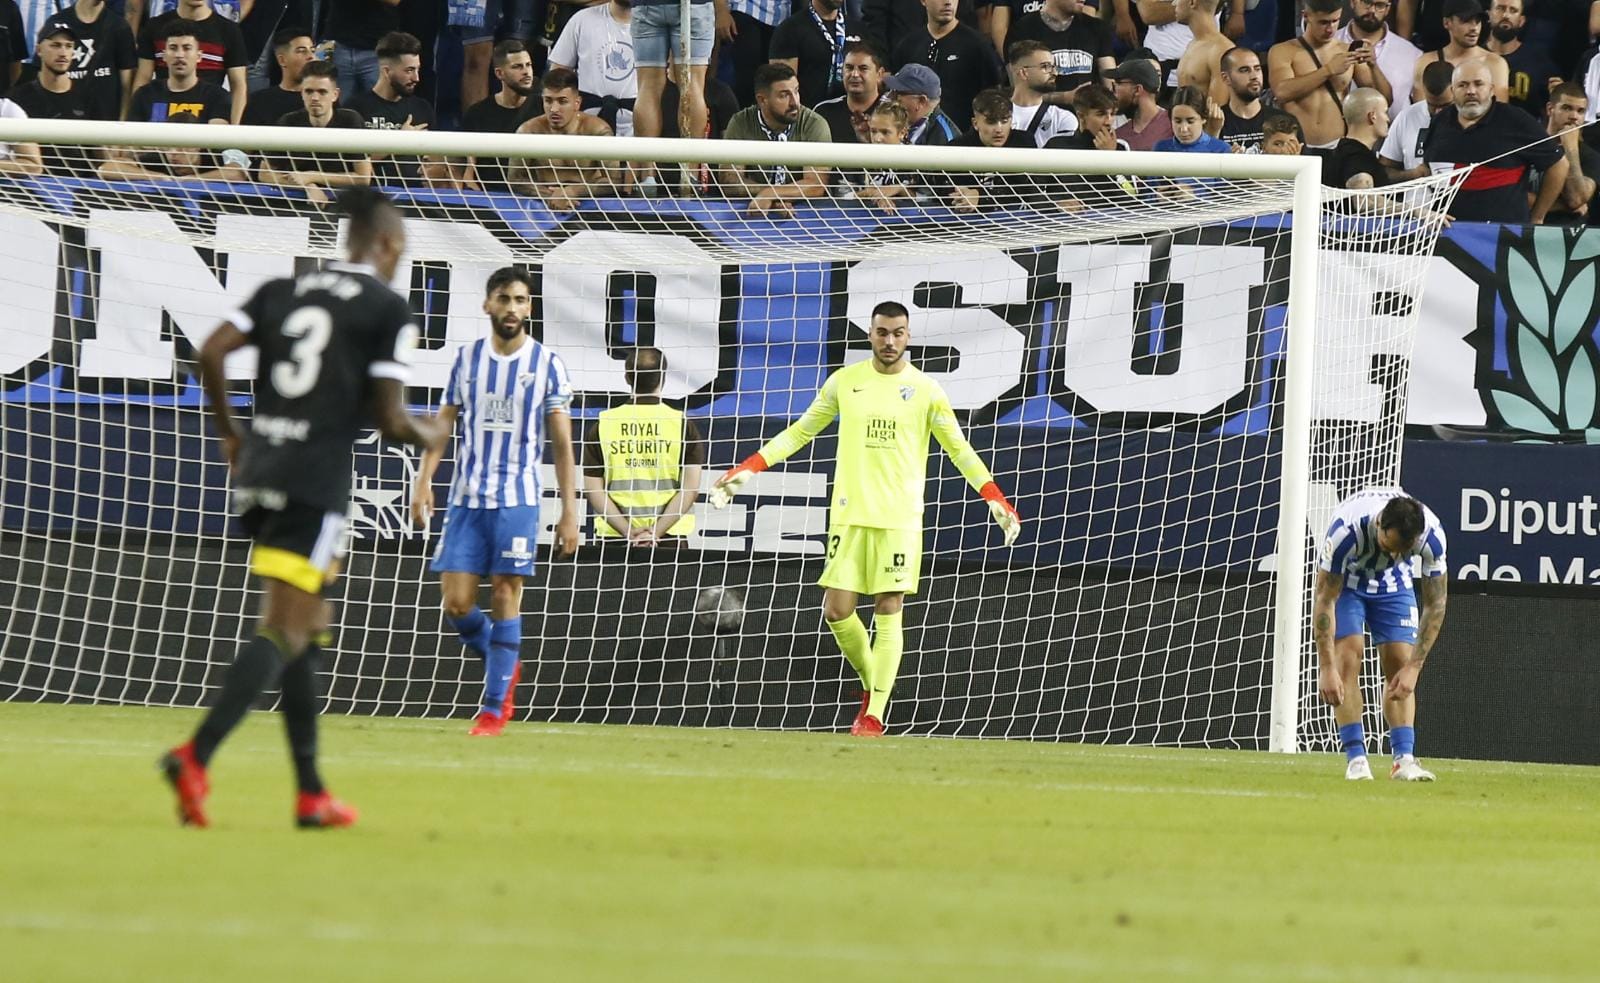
{"points": [[503, 400], [1351, 546]]}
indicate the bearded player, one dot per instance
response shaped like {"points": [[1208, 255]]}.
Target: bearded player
{"points": [[887, 409]]}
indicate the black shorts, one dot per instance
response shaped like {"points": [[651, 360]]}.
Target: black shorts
{"points": [[298, 544]]}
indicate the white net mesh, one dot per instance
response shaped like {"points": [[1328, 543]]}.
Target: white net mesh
{"points": [[1113, 345]]}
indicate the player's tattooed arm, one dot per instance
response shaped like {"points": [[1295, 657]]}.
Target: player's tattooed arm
{"points": [[1435, 596], [1329, 682]]}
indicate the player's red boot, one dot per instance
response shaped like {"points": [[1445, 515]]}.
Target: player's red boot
{"points": [[187, 778], [510, 705], [322, 811], [861, 714], [867, 725], [487, 724]]}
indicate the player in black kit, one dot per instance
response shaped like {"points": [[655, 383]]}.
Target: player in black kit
{"points": [[334, 349]]}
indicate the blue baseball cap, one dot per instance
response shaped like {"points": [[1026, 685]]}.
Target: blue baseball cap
{"points": [[917, 79]]}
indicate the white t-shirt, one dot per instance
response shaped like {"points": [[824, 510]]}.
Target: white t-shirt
{"points": [[9, 110], [600, 50], [1397, 60], [1055, 121], [1406, 133]]}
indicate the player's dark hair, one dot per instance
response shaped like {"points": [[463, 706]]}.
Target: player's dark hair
{"points": [[1281, 122], [1566, 90], [771, 74], [1322, 6], [320, 70], [891, 308], [645, 369], [506, 275], [866, 48], [1403, 516], [397, 44], [371, 215], [285, 37], [993, 105], [1022, 49], [559, 79], [505, 49], [1093, 98]]}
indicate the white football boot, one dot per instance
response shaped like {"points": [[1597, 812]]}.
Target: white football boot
{"points": [[1407, 769], [1358, 770]]}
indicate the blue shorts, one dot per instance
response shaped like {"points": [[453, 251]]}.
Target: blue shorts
{"points": [[476, 23], [1388, 617], [488, 541], [657, 29]]}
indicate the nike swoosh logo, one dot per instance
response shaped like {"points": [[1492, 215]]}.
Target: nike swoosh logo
{"points": [[857, 389]]}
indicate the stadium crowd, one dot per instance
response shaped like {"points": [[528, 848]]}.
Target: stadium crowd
{"points": [[1380, 90]]}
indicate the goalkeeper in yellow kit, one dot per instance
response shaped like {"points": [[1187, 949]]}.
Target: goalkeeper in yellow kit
{"points": [[887, 409]]}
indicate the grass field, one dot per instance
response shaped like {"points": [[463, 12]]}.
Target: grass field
{"points": [[611, 853]]}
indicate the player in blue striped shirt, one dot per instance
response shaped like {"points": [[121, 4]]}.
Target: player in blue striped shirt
{"points": [[509, 392], [1378, 543]]}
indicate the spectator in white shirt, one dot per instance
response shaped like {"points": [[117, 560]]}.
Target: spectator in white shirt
{"points": [[597, 43], [1033, 81], [1396, 57], [1401, 153]]}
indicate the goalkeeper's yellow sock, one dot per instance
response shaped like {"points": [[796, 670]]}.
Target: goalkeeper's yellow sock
{"points": [[851, 635], [887, 644]]}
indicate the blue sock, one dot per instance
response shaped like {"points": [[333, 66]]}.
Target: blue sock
{"points": [[505, 648], [473, 627], [1354, 741], [1402, 740]]}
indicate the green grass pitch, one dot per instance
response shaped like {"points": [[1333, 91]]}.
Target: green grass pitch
{"points": [[627, 853]]}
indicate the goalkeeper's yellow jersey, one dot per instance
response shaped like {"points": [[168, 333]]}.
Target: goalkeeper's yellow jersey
{"points": [[884, 424]]}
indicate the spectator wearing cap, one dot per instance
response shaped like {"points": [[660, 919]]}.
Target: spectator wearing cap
{"points": [[1135, 83], [1529, 68], [849, 116], [964, 59], [1396, 57], [223, 58], [53, 94], [1506, 144], [778, 117], [105, 60], [917, 88], [813, 42], [1463, 22], [1401, 153]]}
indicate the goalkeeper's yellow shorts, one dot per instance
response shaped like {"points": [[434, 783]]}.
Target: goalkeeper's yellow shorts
{"points": [[873, 561]]}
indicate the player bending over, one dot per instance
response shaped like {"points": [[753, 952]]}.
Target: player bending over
{"points": [[511, 391], [1365, 580], [334, 347], [886, 410]]}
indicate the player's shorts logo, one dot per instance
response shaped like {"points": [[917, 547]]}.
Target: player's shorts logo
{"points": [[899, 560]]}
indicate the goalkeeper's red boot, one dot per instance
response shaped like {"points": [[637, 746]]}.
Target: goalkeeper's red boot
{"points": [[867, 726], [320, 810], [187, 778], [510, 705], [487, 724]]}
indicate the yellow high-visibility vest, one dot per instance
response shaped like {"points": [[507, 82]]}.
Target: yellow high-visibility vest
{"points": [[642, 445]]}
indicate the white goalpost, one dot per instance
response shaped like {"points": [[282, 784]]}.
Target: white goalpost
{"points": [[1174, 364]]}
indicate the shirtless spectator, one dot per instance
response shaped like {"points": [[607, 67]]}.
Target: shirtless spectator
{"points": [[1463, 21], [1313, 73], [1201, 64], [561, 183]]}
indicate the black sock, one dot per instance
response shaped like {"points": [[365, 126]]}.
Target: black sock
{"points": [[301, 701], [252, 672]]}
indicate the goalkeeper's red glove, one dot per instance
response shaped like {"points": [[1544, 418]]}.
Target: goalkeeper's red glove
{"points": [[1001, 510], [729, 484]]}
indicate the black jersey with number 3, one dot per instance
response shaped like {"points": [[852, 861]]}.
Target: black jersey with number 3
{"points": [[320, 338]]}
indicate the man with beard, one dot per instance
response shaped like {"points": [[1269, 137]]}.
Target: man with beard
{"points": [[502, 112], [848, 116], [1528, 69], [1312, 74], [393, 103], [104, 62], [777, 116], [1201, 64], [561, 184], [1505, 141], [597, 43], [1396, 57], [1081, 44], [1033, 83], [1463, 20], [1242, 114], [1402, 149], [1568, 104], [963, 59], [813, 42], [53, 95], [294, 49], [1136, 82]]}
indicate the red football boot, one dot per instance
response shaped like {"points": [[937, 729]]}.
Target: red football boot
{"points": [[188, 779], [510, 705], [322, 811], [487, 724], [855, 725], [867, 726]]}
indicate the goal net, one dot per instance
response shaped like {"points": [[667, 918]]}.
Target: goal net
{"points": [[1173, 364]]}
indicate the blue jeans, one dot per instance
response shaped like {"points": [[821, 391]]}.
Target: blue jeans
{"points": [[357, 70]]}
